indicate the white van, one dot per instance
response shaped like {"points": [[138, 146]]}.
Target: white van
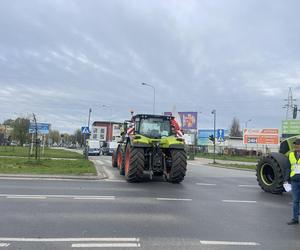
{"points": [[93, 147]]}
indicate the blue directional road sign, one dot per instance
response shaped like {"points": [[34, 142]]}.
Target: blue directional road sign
{"points": [[85, 130], [221, 135], [42, 128]]}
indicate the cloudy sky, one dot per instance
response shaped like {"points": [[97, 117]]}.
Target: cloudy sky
{"points": [[58, 58]]}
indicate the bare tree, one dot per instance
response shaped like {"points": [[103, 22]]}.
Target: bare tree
{"points": [[235, 128], [20, 130], [54, 136]]}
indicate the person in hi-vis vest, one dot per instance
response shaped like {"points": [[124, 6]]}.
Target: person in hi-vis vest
{"points": [[292, 175]]}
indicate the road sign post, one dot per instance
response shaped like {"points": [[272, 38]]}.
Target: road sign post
{"points": [[85, 131]]}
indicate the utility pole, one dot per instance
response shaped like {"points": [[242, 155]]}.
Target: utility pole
{"points": [[289, 106], [214, 112]]}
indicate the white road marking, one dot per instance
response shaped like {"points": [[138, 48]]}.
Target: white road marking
{"points": [[229, 243], [26, 197], [206, 184], [172, 199], [94, 198], [100, 162], [193, 163], [238, 201], [70, 239], [4, 244], [106, 245], [114, 180], [108, 161], [17, 196], [253, 186]]}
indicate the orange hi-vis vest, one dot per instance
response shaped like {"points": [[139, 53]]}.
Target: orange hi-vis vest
{"points": [[295, 165]]}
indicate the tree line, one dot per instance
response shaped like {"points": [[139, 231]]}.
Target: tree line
{"points": [[20, 134]]}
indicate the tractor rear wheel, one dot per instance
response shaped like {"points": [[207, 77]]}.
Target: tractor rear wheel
{"points": [[178, 168], [121, 161], [269, 175], [134, 164]]}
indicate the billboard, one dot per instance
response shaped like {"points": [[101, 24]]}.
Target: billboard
{"points": [[203, 135], [266, 136], [188, 120]]}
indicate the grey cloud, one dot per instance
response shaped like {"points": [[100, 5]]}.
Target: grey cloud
{"points": [[239, 57]]}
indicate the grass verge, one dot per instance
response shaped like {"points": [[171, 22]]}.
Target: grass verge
{"points": [[46, 166], [49, 152], [229, 158]]}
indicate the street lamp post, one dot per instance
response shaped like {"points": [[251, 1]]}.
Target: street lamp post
{"points": [[246, 122], [84, 135], [214, 112], [151, 86]]}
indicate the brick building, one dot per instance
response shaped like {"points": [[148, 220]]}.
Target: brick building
{"points": [[105, 131]]}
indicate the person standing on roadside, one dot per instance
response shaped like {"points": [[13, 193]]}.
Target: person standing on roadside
{"points": [[292, 175]]}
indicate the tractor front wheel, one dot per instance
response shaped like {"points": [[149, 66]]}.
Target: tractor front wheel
{"points": [[134, 163]]}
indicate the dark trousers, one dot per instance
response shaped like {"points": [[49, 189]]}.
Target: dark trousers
{"points": [[296, 198]]}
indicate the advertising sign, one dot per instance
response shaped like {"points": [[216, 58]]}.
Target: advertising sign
{"points": [[188, 120], [42, 128], [203, 135], [267, 136], [291, 127]]}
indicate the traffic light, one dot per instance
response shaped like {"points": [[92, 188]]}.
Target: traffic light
{"points": [[295, 110], [211, 138]]}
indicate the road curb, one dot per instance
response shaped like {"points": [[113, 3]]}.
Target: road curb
{"points": [[98, 177]]}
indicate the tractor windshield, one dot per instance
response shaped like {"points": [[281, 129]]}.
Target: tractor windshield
{"points": [[155, 127]]}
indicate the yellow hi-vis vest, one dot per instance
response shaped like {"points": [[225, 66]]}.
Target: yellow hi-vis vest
{"points": [[295, 165]]}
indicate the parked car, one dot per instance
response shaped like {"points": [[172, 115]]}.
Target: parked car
{"points": [[109, 148]]}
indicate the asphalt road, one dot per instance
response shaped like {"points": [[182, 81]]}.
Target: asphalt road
{"points": [[214, 208]]}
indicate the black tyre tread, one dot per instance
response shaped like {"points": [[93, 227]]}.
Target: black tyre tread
{"points": [[136, 165], [277, 186], [122, 167], [179, 164], [114, 160]]}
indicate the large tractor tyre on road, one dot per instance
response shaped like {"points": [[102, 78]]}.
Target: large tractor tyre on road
{"points": [[178, 168], [114, 159], [121, 161], [134, 163], [270, 172]]}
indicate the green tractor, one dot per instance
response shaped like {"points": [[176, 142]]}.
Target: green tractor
{"points": [[271, 168], [150, 147]]}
